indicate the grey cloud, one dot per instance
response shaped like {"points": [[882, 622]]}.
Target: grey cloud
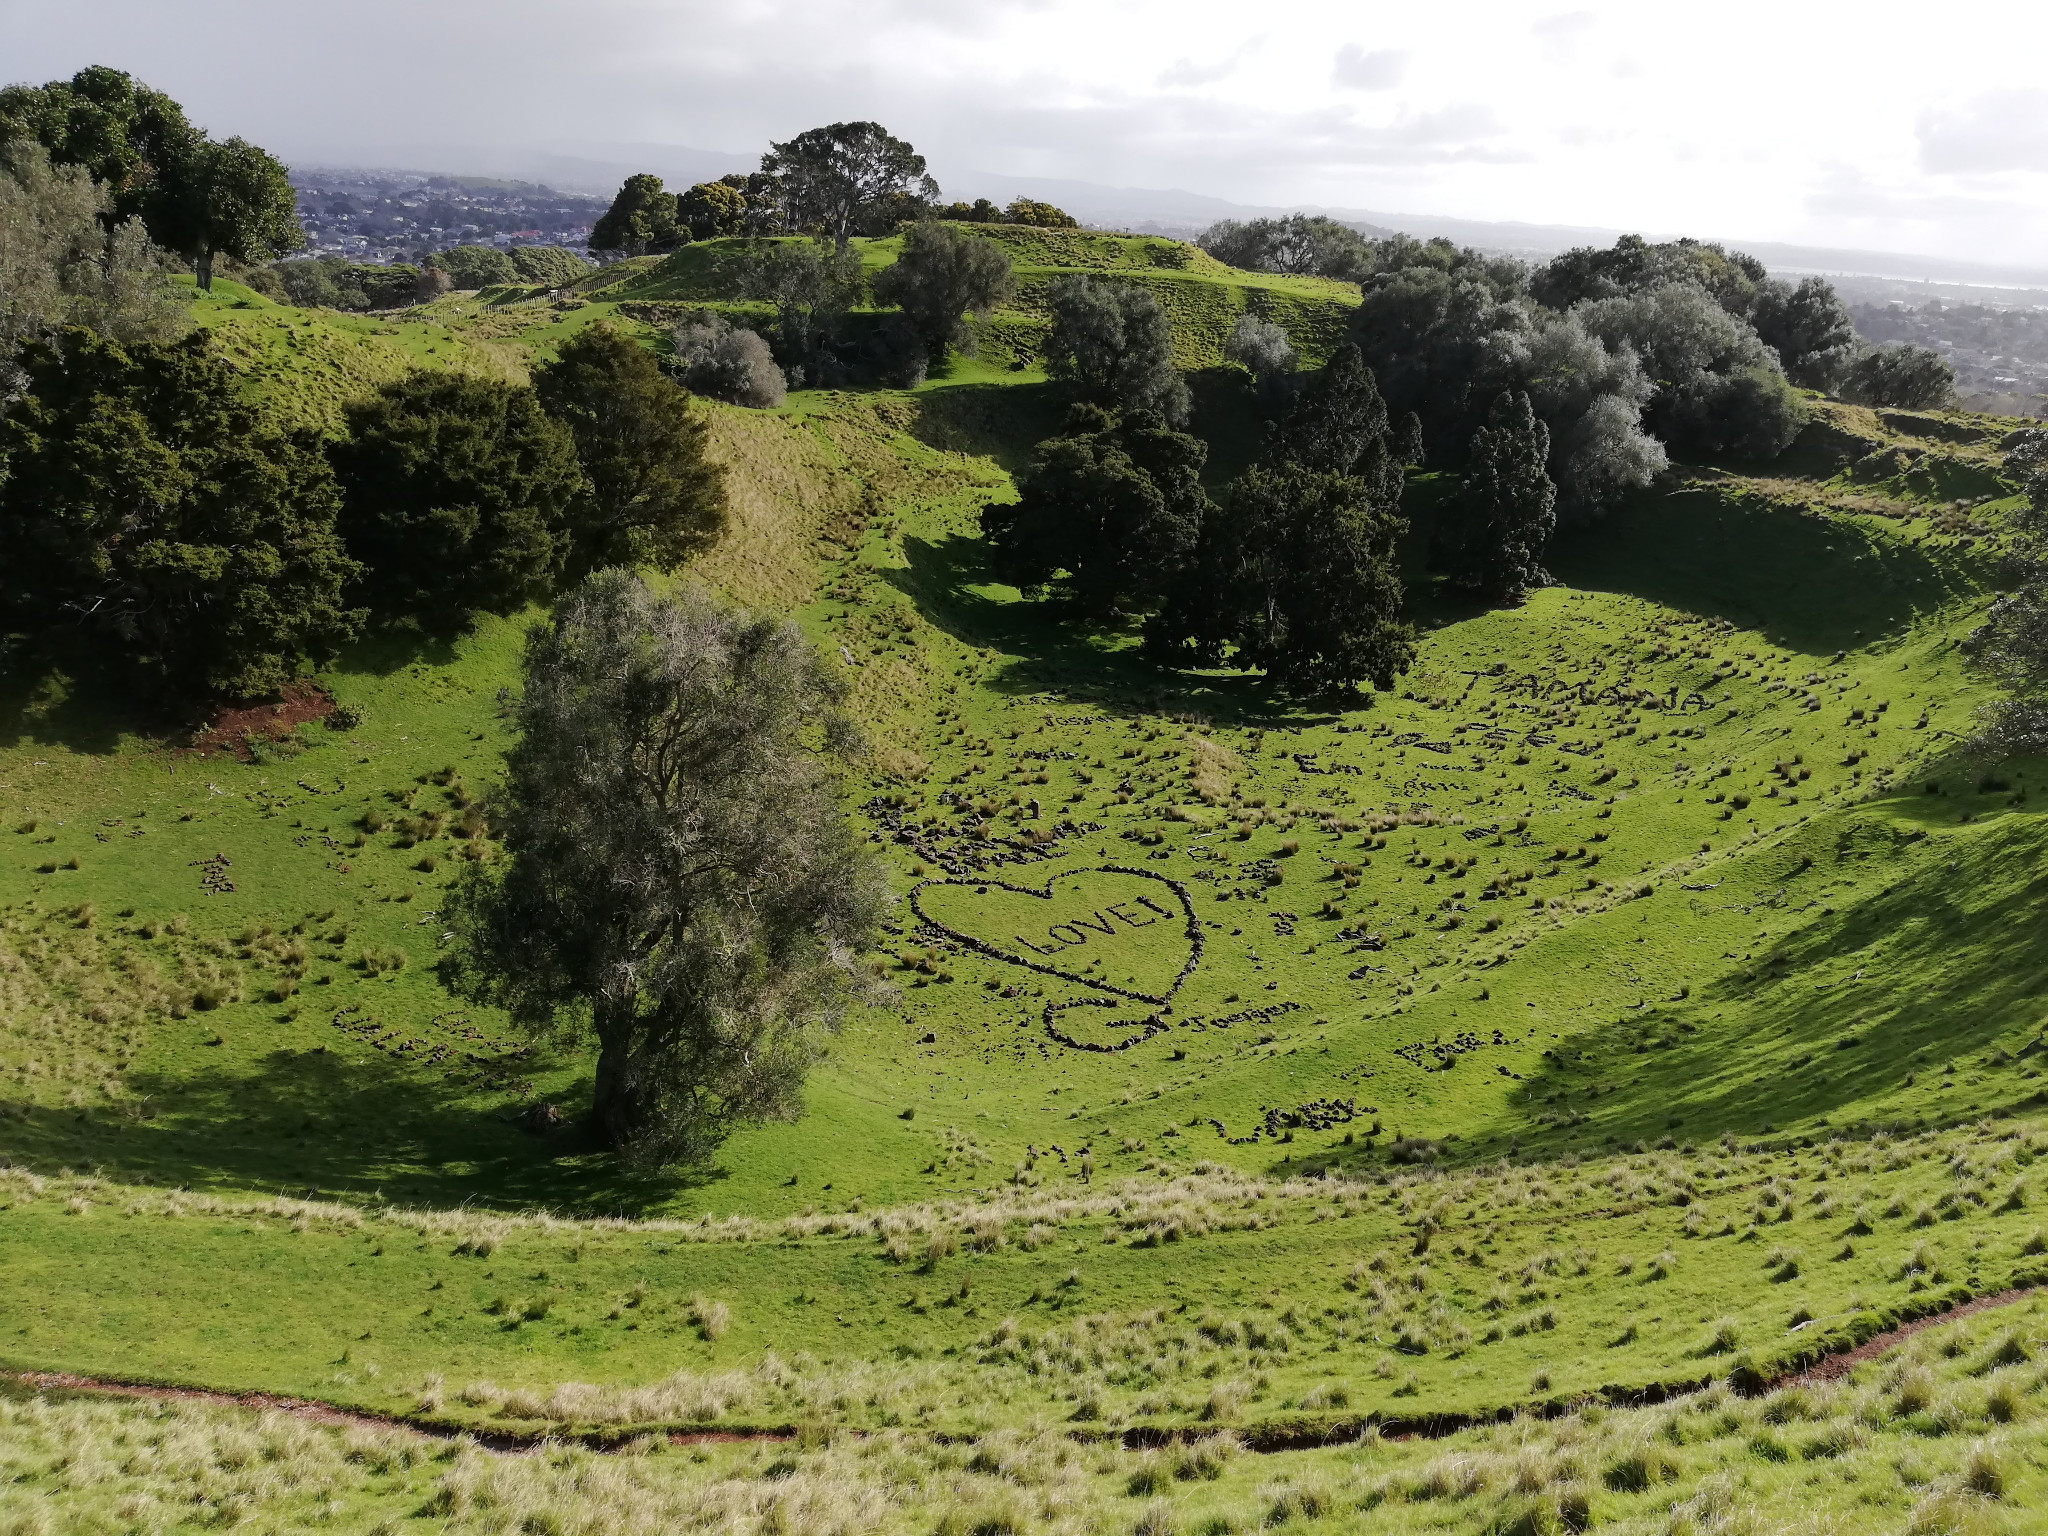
{"points": [[1379, 70], [1185, 72], [2001, 131]]}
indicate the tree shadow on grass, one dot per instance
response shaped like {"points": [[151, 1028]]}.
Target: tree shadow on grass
{"points": [[1005, 422], [314, 1119], [1815, 584], [63, 694], [1836, 1014], [392, 646], [949, 581], [44, 703]]}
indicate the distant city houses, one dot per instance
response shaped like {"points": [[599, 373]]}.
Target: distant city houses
{"points": [[383, 217]]}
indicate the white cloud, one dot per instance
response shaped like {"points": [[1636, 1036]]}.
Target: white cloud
{"points": [[1561, 34], [1743, 128], [1379, 70], [1999, 131]]}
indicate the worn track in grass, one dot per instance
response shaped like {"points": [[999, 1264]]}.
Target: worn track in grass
{"points": [[1429, 1426]]}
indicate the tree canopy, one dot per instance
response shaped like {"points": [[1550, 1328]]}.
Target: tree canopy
{"points": [[1297, 573], [642, 218], [199, 197], [2012, 643], [549, 264], [838, 178], [1314, 591], [1902, 376], [1108, 513], [654, 497], [475, 266], [149, 505], [812, 285], [122, 133], [1495, 528], [1303, 243], [226, 198], [1113, 342], [457, 494], [712, 209], [942, 276], [1809, 328], [682, 888]]}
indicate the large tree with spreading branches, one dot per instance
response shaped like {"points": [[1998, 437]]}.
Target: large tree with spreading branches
{"points": [[681, 888]]}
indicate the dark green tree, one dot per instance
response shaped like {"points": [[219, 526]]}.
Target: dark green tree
{"points": [[151, 505], [1297, 575], [833, 179], [225, 198], [682, 887], [1902, 376], [655, 497], [1113, 342], [1108, 513], [713, 209], [1497, 525], [458, 494], [642, 218], [1312, 591], [2012, 644], [942, 276], [123, 133], [1810, 330], [812, 285], [1338, 425]]}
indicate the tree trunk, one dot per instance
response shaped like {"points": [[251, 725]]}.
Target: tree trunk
{"points": [[614, 1099], [202, 268]]}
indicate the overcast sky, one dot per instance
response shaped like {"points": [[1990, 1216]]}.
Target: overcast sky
{"points": [[1913, 128]]}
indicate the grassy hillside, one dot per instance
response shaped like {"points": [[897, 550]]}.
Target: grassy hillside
{"points": [[1649, 986], [1201, 296]]}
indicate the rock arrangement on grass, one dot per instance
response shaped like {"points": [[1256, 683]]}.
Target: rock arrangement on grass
{"points": [[213, 874], [994, 952], [488, 1064], [965, 853], [1445, 1053]]}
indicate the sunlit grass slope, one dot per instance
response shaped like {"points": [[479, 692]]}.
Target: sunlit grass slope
{"points": [[1672, 887]]}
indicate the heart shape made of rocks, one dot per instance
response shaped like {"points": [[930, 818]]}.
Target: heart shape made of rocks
{"points": [[1124, 931]]}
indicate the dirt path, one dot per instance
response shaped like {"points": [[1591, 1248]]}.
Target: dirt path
{"points": [[314, 1412], [1832, 1368]]}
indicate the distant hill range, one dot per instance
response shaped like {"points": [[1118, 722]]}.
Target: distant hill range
{"points": [[600, 167]]}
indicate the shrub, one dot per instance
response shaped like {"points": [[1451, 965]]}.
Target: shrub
{"points": [[727, 362]]}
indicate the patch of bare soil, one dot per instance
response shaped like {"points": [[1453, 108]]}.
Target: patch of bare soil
{"points": [[233, 730], [1834, 1367]]}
